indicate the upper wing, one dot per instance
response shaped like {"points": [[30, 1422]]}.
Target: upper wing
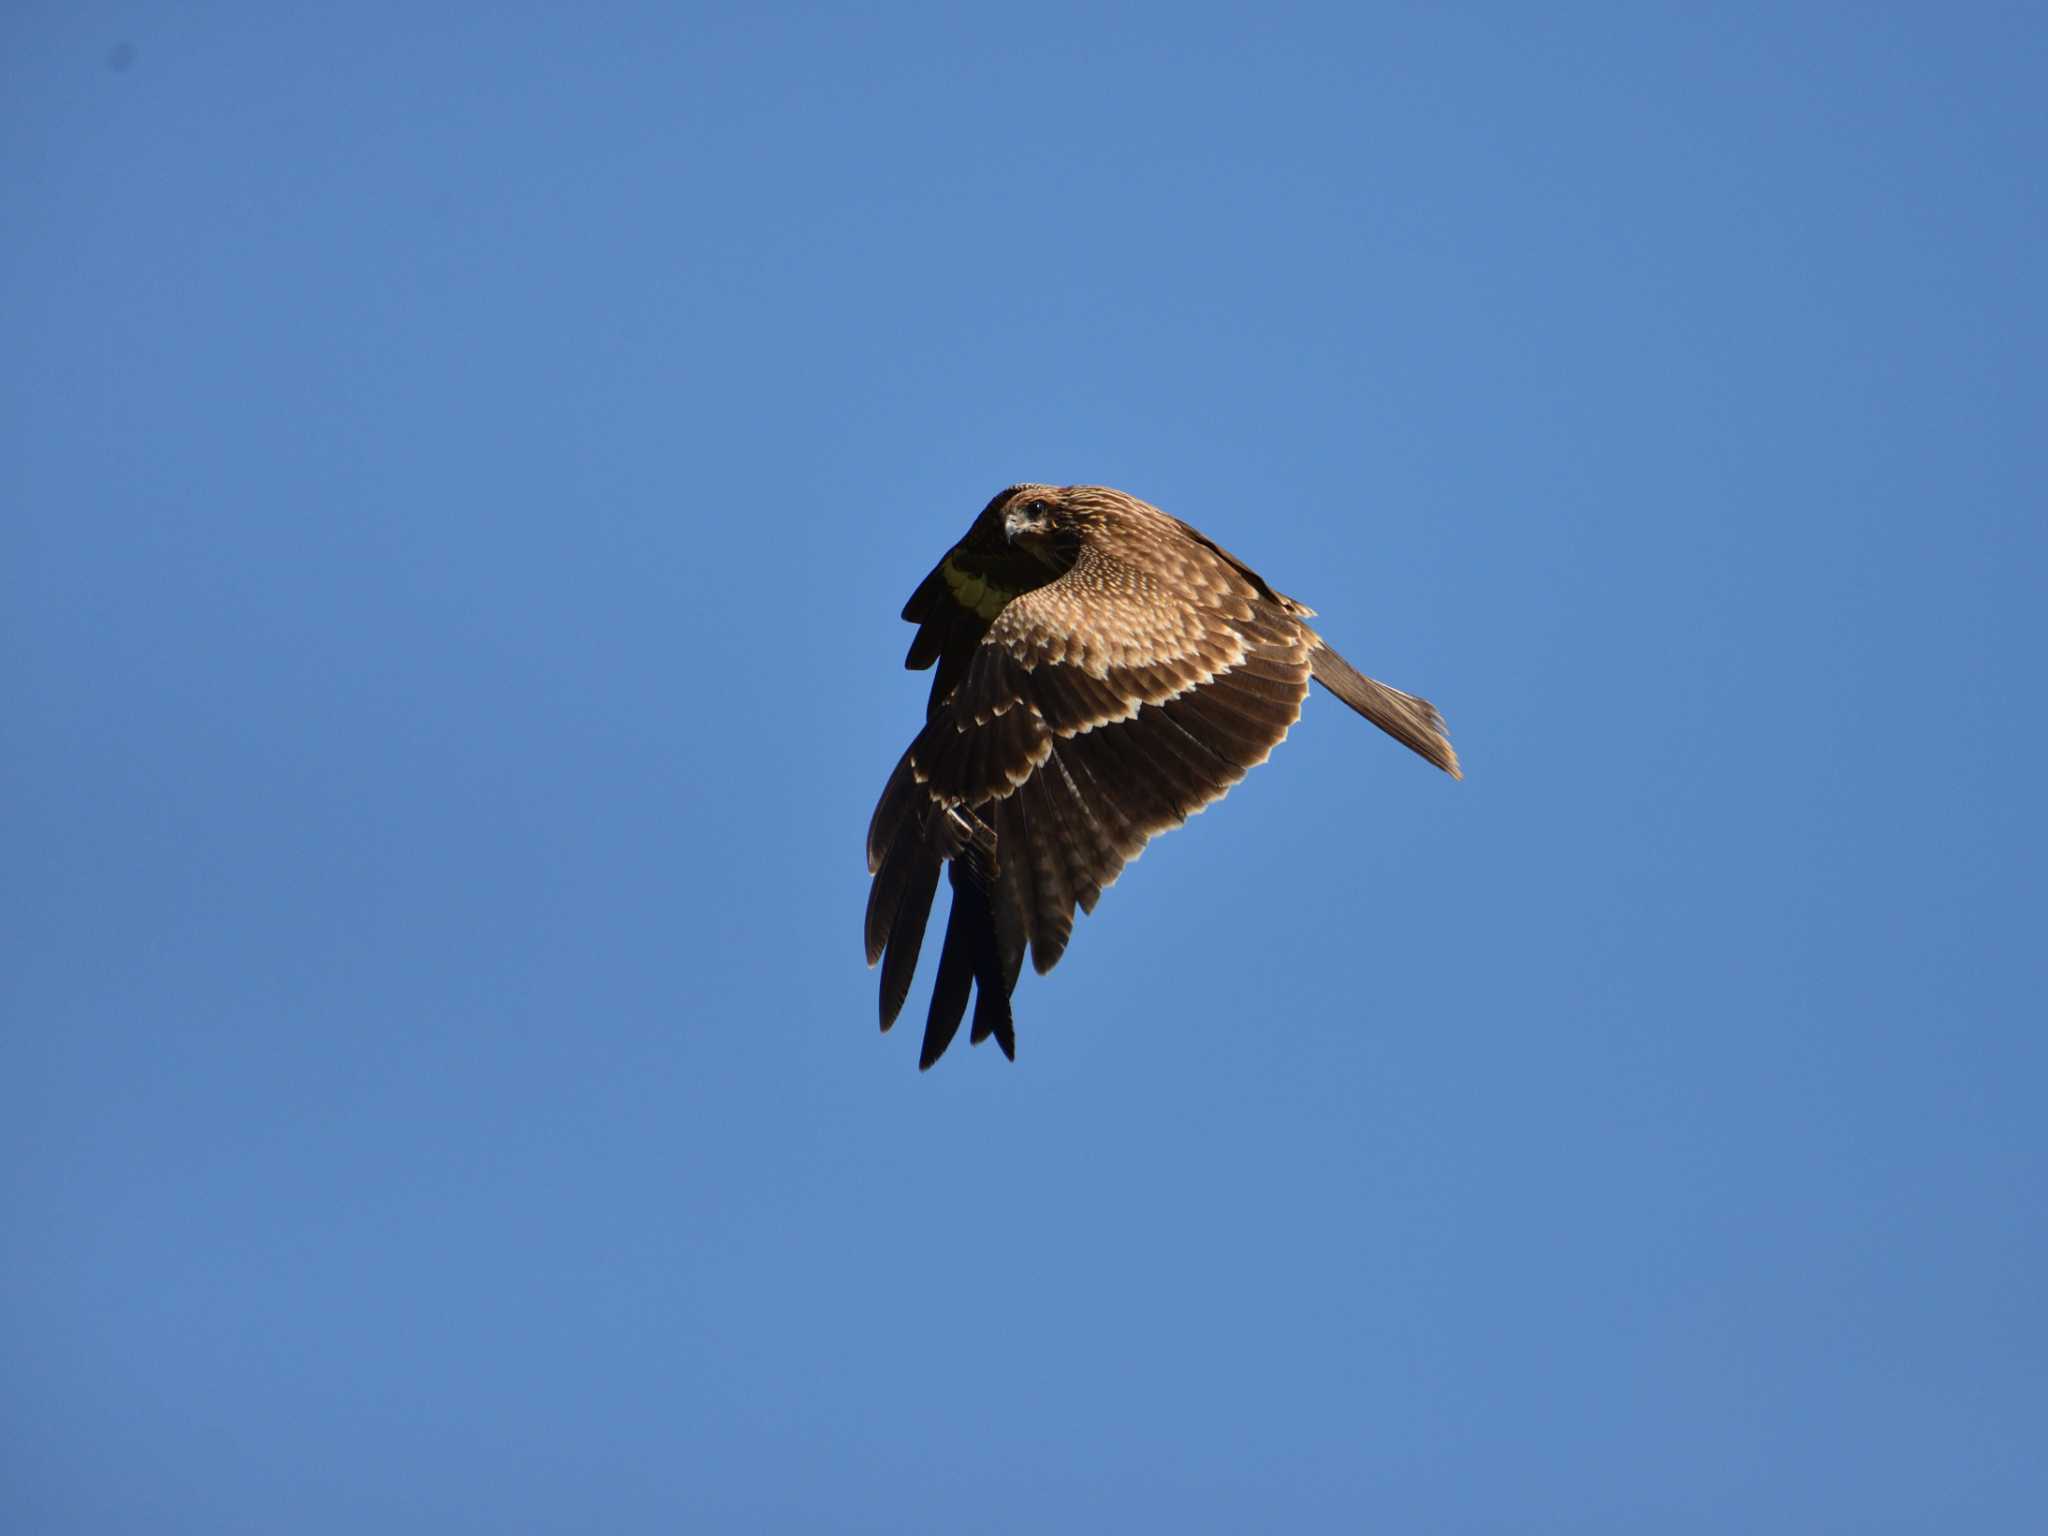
{"points": [[1096, 712]]}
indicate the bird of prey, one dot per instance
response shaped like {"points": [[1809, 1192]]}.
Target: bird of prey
{"points": [[1104, 672]]}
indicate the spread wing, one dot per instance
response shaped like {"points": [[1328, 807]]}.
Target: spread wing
{"points": [[1089, 715]]}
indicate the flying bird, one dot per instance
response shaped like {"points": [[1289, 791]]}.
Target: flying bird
{"points": [[1104, 672]]}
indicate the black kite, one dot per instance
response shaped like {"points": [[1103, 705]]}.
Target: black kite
{"points": [[1104, 672]]}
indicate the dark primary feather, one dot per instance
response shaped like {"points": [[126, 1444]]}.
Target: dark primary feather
{"points": [[1104, 671]]}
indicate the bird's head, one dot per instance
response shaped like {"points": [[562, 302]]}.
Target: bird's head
{"points": [[1042, 521]]}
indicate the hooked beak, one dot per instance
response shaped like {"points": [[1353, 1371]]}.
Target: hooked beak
{"points": [[1016, 522]]}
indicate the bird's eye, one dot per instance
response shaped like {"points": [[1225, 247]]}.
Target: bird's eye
{"points": [[1038, 509]]}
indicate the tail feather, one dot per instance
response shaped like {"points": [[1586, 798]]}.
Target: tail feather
{"points": [[991, 983], [968, 959], [1411, 721], [992, 1017]]}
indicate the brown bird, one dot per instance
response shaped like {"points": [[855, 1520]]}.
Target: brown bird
{"points": [[1104, 672]]}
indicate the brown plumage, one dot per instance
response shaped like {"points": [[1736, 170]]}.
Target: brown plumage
{"points": [[1104, 672]]}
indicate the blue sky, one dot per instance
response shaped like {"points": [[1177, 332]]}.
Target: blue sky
{"points": [[460, 476]]}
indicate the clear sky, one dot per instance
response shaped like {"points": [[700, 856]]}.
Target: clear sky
{"points": [[459, 471]]}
